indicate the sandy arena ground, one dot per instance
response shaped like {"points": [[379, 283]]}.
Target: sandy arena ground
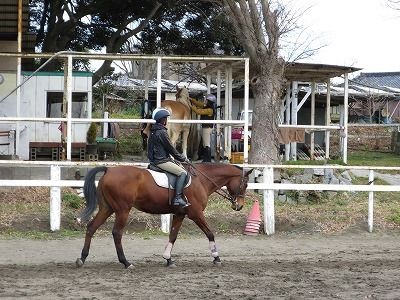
{"points": [[351, 266]]}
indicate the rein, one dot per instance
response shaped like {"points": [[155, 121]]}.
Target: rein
{"points": [[220, 191]]}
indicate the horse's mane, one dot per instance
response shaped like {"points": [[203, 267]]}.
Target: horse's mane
{"points": [[182, 96]]}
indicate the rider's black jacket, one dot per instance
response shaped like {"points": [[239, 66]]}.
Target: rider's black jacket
{"points": [[159, 147]]}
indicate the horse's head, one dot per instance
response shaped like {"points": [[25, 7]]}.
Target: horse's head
{"points": [[182, 95], [237, 189]]}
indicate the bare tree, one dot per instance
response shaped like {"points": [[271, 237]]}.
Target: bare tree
{"points": [[395, 4], [259, 27]]}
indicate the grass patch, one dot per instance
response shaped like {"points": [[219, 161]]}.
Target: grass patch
{"points": [[132, 112], [357, 158], [130, 144], [72, 200], [395, 216], [40, 235]]}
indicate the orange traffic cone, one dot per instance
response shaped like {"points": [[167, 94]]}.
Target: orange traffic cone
{"points": [[253, 220]]}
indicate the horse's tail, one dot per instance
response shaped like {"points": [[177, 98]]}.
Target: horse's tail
{"points": [[89, 190]]}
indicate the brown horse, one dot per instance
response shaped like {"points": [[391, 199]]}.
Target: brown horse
{"points": [[121, 188], [179, 110]]}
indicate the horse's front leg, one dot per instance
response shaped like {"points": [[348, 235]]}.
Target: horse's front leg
{"points": [[202, 223], [176, 225]]}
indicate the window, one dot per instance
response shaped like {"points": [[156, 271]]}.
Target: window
{"points": [[54, 105]]}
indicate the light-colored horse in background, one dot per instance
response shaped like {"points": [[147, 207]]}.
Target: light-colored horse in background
{"points": [[179, 110]]}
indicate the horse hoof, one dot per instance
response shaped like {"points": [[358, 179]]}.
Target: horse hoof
{"points": [[130, 267], [79, 263], [217, 262], [170, 263]]}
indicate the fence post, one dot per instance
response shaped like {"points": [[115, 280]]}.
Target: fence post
{"points": [[165, 223], [269, 207], [371, 202], [55, 199]]}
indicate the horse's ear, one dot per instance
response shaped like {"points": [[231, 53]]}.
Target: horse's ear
{"points": [[249, 172]]}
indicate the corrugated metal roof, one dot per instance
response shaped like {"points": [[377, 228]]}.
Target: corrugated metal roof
{"points": [[166, 85], [9, 18], [379, 79], [294, 71]]}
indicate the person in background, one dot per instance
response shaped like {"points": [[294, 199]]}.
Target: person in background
{"points": [[207, 111], [160, 150]]}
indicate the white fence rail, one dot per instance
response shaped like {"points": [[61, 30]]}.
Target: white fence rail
{"points": [[268, 187]]}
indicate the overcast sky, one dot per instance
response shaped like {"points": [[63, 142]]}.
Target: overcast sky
{"points": [[358, 33]]}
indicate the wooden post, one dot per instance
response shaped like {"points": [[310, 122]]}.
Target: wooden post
{"points": [[105, 126], [328, 118], [226, 112], [68, 90], [159, 62], [312, 135], [287, 117], [165, 218], [371, 202], [165, 223], [345, 116], [293, 145], [218, 129], [229, 115], [246, 111]]}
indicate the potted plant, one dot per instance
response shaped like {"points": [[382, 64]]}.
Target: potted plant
{"points": [[91, 144]]}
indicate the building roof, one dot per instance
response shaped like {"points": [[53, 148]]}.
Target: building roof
{"points": [[294, 71], [9, 18], [315, 72], [385, 80], [9, 23], [166, 85]]}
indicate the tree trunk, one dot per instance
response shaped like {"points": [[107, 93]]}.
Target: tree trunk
{"points": [[266, 89]]}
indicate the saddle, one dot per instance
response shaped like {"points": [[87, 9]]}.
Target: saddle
{"points": [[165, 179]]}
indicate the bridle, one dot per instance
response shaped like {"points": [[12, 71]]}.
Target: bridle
{"points": [[223, 193]]}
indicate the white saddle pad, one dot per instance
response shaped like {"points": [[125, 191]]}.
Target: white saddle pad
{"points": [[161, 179]]}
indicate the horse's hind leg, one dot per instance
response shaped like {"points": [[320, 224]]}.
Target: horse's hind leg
{"points": [[176, 225], [119, 225], [174, 136], [202, 223], [185, 135], [101, 216]]}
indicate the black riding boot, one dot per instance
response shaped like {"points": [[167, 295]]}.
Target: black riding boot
{"points": [[179, 199], [207, 154]]}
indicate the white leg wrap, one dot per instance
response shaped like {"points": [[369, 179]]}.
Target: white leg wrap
{"points": [[213, 248], [167, 251]]}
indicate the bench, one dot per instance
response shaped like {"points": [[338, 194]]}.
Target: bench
{"points": [[9, 135]]}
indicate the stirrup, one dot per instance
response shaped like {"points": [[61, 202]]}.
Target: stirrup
{"points": [[178, 201]]}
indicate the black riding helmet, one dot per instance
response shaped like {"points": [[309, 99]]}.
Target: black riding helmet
{"points": [[159, 114]]}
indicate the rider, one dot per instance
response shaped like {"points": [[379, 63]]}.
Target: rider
{"points": [[160, 150], [207, 111]]}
